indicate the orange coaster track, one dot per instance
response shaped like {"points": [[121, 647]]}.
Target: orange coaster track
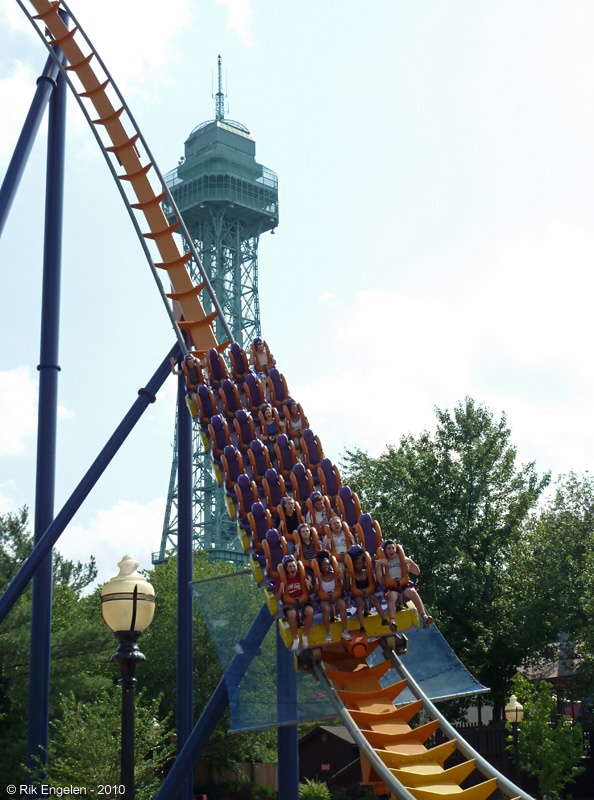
{"points": [[139, 180], [397, 757]]}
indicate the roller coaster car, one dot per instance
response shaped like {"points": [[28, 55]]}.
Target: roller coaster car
{"points": [[259, 459], [275, 417], [216, 368], [338, 587], [299, 546], [232, 464], [254, 393], [275, 548], [329, 478], [239, 363], [301, 482], [348, 506], [254, 362], [274, 487], [246, 494], [320, 525], [277, 387], [206, 405], [280, 510], [331, 544], [312, 450], [229, 394], [245, 429], [286, 455], [260, 520], [388, 582], [286, 599], [218, 431], [353, 588], [369, 534], [293, 432]]}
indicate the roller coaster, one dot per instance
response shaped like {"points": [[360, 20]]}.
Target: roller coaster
{"points": [[396, 738]]}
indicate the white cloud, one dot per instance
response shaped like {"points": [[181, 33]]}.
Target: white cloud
{"points": [[239, 19], [18, 410], [127, 527]]}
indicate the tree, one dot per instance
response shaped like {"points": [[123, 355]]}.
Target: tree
{"points": [[457, 502], [79, 642], [551, 753], [78, 758]]}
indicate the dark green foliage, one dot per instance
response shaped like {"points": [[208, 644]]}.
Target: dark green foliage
{"points": [[457, 502], [82, 750], [79, 642], [551, 753]]}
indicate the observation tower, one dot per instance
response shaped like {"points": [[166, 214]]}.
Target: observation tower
{"points": [[227, 200]]}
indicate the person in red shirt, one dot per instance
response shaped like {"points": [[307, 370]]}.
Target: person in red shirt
{"points": [[292, 593]]}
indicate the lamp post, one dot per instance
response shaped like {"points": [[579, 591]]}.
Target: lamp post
{"points": [[127, 606], [514, 714]]}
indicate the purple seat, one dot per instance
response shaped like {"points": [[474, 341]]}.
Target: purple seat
{"points": [[329, 478], [216, 368], [218, 431], [369, 534], [348, 506], [274, 488], [286, 455], [260, 520], [302, 482], [245, 429], [254, 393], [259, 460], [232, 464], [279, 394], [311, 448], [246, 494], [240, 366], [207, 406], [230, 398], [275, 547]]}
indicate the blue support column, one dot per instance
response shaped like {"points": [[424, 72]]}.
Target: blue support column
{"points": [[287, 737], [45, 84], [41, 612], [185, 661]]}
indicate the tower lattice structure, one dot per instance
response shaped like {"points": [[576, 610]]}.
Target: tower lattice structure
{"points": [[227, 201]]}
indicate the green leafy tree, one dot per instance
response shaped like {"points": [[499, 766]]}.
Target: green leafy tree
{"points": [[553, 570], [551, 753], [79, 641], [458, 503], [78, 758]]}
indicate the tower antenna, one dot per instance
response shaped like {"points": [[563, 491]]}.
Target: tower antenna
{"points": [[220, 97]]}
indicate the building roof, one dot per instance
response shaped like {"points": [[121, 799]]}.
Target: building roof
{"points": [[339, 731]]}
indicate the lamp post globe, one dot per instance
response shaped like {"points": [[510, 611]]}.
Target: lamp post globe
{"points": [[127, 606], [514, 714]]}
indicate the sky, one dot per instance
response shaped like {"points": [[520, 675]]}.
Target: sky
{"points": [[435, 237]]}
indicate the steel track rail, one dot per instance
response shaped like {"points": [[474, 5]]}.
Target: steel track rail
{"points": [[123, 145]]}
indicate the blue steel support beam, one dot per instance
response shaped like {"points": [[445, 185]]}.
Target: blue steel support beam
{"points": [[76, 499], [246, 650], [185, 662], [45, 85], [287, 736], [41, 611]]}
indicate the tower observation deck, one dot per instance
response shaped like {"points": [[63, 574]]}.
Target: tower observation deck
{"points": [[227, 201]]}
